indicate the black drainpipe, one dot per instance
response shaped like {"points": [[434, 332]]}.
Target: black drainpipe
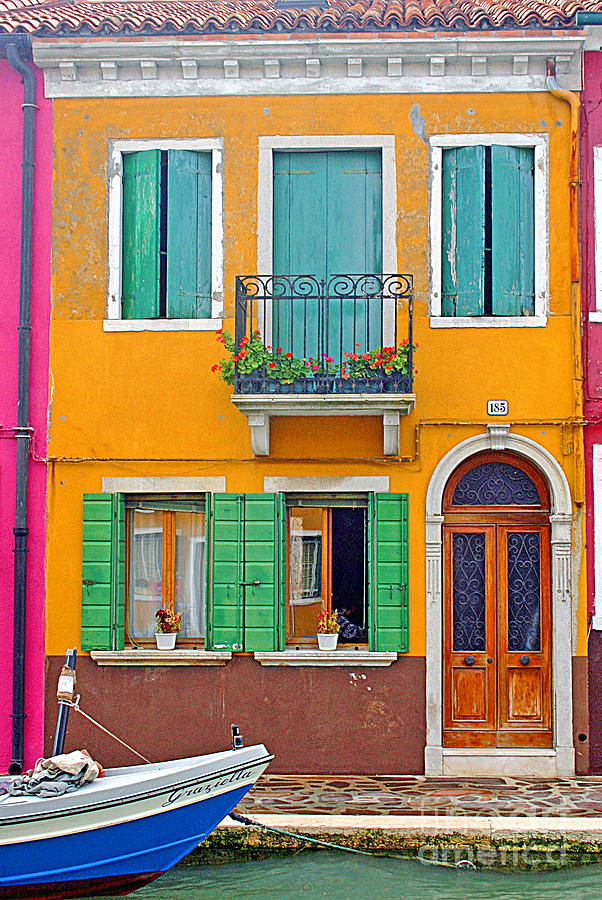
{"points": [[22, 431]]}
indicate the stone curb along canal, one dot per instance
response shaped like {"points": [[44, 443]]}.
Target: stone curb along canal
{"points": [[517, 842]]}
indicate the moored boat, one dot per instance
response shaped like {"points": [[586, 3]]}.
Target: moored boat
{"points": [[121, 831]]}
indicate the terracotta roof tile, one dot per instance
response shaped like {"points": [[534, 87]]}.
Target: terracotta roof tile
{"points": [[260, 16]]}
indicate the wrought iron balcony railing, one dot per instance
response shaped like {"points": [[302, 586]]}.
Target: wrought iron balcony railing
{"points": [[299, 334]]}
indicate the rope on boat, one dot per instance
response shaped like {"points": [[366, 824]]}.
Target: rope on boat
{"points": [[244, 820], [74, 704]]}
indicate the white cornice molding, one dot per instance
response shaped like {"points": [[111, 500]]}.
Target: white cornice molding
{"points": [[173, 66]]}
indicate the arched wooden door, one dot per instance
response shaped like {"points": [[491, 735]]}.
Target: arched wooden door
{"points": [[497, 615]]}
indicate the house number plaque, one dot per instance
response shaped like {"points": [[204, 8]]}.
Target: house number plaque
{"points": [[497, 407]]}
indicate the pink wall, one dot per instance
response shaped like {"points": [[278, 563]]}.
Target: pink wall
{"points": [[11, 131], [591, 136]]}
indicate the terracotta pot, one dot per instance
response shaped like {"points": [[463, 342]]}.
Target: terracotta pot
{"points": [[328, 641], [165, 641]]}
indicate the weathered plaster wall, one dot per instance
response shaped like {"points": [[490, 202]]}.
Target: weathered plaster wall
{"points": [[146, 403], [11, 99], [365, 720]]}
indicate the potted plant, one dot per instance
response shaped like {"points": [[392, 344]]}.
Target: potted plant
{"points": [[168, 625], [328, 630]]}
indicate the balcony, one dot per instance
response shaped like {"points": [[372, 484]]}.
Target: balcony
{"points": [[342, 347]]}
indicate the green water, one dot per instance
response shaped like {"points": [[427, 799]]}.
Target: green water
{"points": [[342, 877]]}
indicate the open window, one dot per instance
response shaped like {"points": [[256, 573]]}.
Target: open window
{"points": [[488, 230], [327, 547], [248, 572], [166, 565], [165, 235]]}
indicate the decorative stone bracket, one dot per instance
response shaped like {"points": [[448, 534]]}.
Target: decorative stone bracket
{"points": [[260, 407]]}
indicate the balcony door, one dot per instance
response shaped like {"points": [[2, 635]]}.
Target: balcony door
{"points": [[327, 222], [497, 615]]}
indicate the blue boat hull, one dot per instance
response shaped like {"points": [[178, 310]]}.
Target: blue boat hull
{"points": [[113, 860]]}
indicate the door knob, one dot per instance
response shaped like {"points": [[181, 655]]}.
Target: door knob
{"points": [[489, 660], [469, 660], [524, 660]]}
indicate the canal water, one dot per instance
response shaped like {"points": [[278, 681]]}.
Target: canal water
{"points": [[345, 877]]}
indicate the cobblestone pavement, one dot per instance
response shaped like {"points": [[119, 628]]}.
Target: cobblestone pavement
{"points": [[398, 795]]}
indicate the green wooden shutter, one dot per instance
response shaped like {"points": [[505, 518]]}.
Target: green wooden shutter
{"points": [[261, 565], [512, 231], [227, 568], [140, 244], [188, 234], [391, 573], [463, 231], [103, 568], [282, 586], [370, 565]]}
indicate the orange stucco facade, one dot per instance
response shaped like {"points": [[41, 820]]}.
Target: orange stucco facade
{"points": [[146, 404]]}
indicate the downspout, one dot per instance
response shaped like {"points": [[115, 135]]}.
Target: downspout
{"points": [[22, 431], [574, 182]]}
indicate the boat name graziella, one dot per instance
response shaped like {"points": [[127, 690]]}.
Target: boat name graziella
{"points": [[208, 788]]}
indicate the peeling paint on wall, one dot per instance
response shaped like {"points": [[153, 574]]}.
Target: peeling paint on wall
{"points": [[418, 123]]}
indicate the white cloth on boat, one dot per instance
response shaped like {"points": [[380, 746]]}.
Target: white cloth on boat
{"points": [[57, 775]]}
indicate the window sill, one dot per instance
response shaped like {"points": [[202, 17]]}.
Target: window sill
{"points": [[325, 658], [162, 324], [133, 657], [488, 321]]}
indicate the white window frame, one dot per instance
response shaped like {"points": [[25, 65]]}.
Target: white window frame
{"points": [[596, 315], [539, 142], [597, 488], [265, 195], [113, 320]]}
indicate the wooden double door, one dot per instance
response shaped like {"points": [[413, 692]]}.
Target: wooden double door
{"points": [[497, 628]]}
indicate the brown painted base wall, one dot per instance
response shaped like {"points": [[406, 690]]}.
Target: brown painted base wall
{"points": [[314, 720], [595, 702], [581, 729]]}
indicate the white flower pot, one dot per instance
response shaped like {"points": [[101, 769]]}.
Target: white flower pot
{"points": [[165, 641], [328, 641]]}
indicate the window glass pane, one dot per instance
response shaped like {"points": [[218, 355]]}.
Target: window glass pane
{"points": [[146, 582], [190, 572], [524, 592], [495, 484], [468, 592], [305, 567]]}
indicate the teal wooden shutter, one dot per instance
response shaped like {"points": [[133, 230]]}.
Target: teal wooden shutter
{"points": [[226, 621], [327, 221], [463, 231], [300, 213], [261, 572], [512, 231], [103, 570], [391, 573], [354, 212], [354, 244], [188, 234], [299, 245], [141, 240]]}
